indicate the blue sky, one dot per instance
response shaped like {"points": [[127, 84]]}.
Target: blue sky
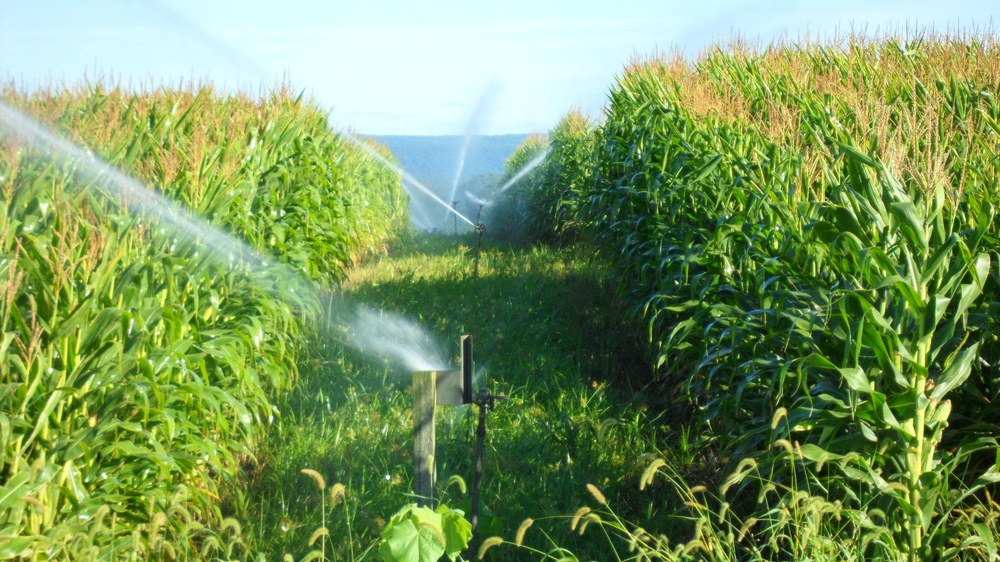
{"points": [[394, 67]]}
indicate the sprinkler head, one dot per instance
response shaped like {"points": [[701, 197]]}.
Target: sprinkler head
{"points": [[487, 400], [480, 227]]}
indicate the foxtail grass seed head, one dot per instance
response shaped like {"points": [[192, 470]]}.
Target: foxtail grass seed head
{"points": [[338, 494], [317, 477], [522, 529], [488, 544], [577, 516], [779, 414], [457, 481], [783, 444], [746, 528], [587, 520], [650, 473], [594, 491], [317, 534]]}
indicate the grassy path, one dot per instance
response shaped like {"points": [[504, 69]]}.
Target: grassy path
{"points": [[547, 334]]}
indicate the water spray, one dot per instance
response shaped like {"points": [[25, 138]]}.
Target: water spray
{"points": [[481, 202], [481, 109], [375, 332], [137, 197], [380, 333], [534, 163], [407, 178]]}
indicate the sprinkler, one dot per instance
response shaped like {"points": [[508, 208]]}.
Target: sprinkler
{"points": [[481, 229], [433, 388], [486, 401]]}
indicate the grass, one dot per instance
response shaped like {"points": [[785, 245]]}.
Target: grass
{"points": [[546, 335]]}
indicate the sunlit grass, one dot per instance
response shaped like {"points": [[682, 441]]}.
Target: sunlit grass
{"points": [[546, 334]]}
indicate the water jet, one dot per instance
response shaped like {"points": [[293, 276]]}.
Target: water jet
{"points": [[407, 178], [534, 163], [470, 131], [380, 333]]}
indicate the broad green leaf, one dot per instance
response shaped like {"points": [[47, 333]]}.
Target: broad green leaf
{"points": [[707, 168], [985, 535], [967, 294], [99, 327], [909, 293], [956, 372], [13, 492], [856, 154], [912, 223], [856, 379], [409, 541], [937, 259], [817, 454], [457, 531], [42, 419], [17, 547]]}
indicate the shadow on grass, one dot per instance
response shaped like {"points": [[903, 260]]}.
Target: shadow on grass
{"points": [[529, 318], [431, 245]]}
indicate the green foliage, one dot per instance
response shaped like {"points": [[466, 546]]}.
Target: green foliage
{"points": [[547, 334], [420, 534], [507, 216], [808, 231], [136, 367], [543, 205]]}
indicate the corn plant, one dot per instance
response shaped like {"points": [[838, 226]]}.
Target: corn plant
{"points": [[510, 215], [543, 205], [901, 328], [135, 367], [808, 229]]}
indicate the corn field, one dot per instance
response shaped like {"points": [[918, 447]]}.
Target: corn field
{"points": [[135, 366], [808, 233]]}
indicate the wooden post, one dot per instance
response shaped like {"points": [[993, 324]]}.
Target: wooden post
{"points": [[424, 401]]}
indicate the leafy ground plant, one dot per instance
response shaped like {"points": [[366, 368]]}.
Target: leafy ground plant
{"points": [[421, 534]]}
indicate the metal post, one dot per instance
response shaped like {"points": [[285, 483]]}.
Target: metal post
{"points": [[468, 368], [477, 481], [486, 401]]}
